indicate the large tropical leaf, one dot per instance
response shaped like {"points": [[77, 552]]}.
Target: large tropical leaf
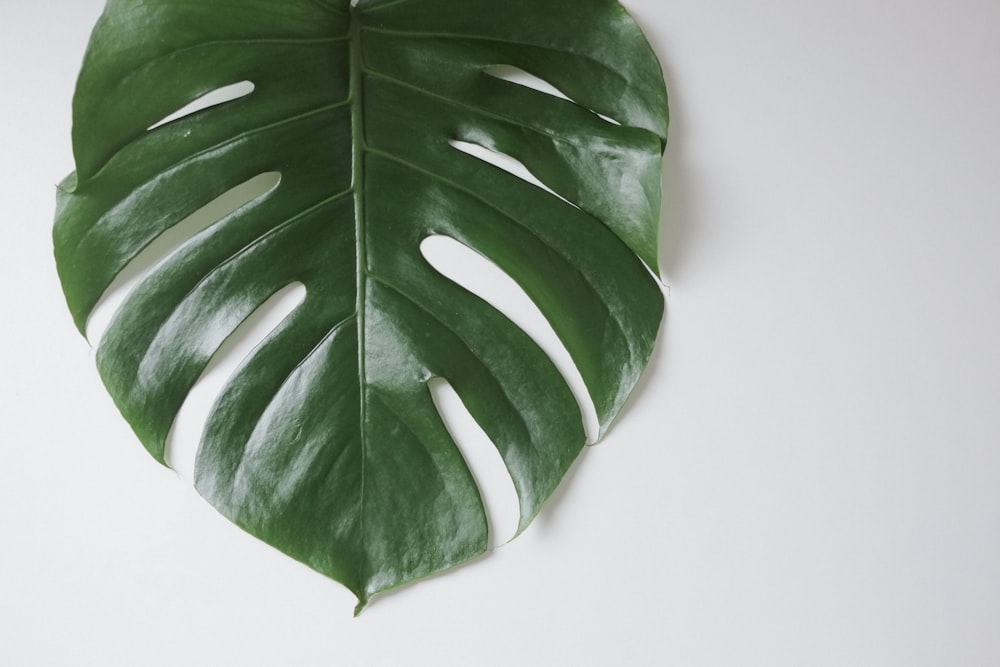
{"points": [[326, 442]]}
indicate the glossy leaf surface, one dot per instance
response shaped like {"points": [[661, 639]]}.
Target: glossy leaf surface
{"points": [[326, 442]]}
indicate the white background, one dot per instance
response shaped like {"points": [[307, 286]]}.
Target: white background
{"points": [[808, 475]]}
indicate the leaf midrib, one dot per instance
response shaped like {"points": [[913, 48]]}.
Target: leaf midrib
{"points": [[358, 148]]}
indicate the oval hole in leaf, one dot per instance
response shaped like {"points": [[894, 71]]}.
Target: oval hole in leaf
{"points": [[511, 165], [479, 275], [186, 431], [503, 510], [529, 80], [167, 242], [211, 99], [526, 79]]}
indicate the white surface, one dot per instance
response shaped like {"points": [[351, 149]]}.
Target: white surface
{"points": [[808, 475]]}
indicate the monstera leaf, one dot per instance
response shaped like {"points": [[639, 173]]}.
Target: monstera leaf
{"points": [[326, 442]]}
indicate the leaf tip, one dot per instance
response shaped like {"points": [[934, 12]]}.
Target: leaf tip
{"points": [[67, 186], [362, 603]]}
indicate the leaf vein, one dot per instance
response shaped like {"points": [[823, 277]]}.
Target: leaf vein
{"points": [[471, 107], [222, 144], [242, 251], [583, 276], [386, 5], [510, 42], [257, 422], [436, 318]]}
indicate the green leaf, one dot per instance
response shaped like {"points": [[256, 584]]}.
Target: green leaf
{"points": [[326, 442]]}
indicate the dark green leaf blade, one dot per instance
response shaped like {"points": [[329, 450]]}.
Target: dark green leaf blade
{"points": [[326, 443]]}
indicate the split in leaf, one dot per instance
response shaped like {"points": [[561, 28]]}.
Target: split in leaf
{"points": [[366, 122]]}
